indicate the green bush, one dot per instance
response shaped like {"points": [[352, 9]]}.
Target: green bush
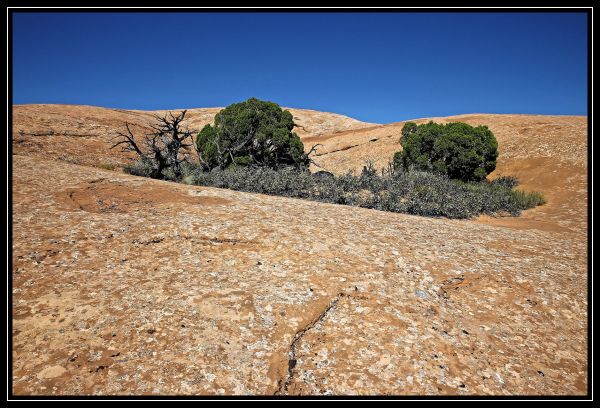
{"points": [[528, 200], [457, 150], [251, 133]]}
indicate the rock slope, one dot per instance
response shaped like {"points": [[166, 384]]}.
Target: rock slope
{"points": [[123, 285]]}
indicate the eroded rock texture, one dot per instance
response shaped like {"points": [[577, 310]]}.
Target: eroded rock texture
{"points": [[125, 285]]}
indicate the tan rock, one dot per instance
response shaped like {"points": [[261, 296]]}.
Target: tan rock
{"points": [[51, 372], [238, 305]]}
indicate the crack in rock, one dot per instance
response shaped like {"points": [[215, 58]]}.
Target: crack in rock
{"points": [[53, 133], [338, 150], [283, 384], [346, 148]]}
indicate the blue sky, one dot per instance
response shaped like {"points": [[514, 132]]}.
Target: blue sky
{"points": [[376, 67]]}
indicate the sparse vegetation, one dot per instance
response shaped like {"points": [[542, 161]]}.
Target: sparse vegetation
{"points": [[142, 167], [457, 150], [506, 181], [414, 192], [68, 159], [441, 171], [107, 166], [529, 199]]}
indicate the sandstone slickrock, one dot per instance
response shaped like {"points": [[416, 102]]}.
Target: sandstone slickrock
{"points": [[125, 285]]}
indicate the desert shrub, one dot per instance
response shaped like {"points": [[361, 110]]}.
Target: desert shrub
{"points": [[170, 174], [506, 181], [107, 166], [528, 199], [457, 150], [69, 159], [141, 167], [146, 167], [251, 133], [414, 192], [323, 174]]}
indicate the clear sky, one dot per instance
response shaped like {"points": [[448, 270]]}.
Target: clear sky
{"points": [[376, 67]]}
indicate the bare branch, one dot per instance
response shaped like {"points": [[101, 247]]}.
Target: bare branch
{"points": [[313, 149], [127, 141]]}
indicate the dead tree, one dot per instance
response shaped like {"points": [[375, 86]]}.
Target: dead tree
{"points": [[312, 150], [162, 146]]}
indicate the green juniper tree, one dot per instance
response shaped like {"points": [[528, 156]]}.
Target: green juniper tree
{"points": [[251, 133], [457, 150]]}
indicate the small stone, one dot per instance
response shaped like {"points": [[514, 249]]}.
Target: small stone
{"points": [[292, 363], [421, 294]]}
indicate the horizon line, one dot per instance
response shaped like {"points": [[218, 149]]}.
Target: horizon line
{"points": [[309, 109]]}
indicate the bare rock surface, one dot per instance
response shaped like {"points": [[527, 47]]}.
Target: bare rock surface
{"points": [[125, 285]]}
